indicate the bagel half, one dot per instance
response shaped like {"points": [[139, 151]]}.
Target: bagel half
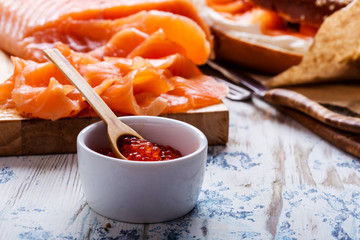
{"points": [[246, 44]]}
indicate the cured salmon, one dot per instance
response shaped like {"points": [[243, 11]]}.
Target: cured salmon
{"points": [[140, 56], [27, 27], [138, 86]]}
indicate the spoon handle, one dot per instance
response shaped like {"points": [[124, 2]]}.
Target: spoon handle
{"points": [[86, 90], [80, 83]]}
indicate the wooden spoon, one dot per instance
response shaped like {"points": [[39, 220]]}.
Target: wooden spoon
{"points": [[115, 127]]}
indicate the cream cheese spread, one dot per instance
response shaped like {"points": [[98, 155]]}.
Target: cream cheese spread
{"points": [[250, 32]]}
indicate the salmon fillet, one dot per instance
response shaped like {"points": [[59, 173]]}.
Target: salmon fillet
{"points": [[140, 56], [27, 27]]}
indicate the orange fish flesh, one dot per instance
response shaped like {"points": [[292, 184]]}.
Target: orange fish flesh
{"points": [[28, 27], [136, 86], [140, 56]]}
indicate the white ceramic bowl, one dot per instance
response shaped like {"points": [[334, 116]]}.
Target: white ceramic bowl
{"points": [[143, 192]]}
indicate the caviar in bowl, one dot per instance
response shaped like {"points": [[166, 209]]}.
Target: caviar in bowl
{"points": [[143, 191]]}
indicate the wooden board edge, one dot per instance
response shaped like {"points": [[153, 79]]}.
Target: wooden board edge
{"points": [[37, 137]]}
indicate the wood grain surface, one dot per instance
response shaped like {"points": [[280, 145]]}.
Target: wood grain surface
{"points": [[347, 141], [19, 136], [274, 179]]}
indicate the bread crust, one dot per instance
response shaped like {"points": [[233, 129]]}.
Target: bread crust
{"points": [[253, 56]]}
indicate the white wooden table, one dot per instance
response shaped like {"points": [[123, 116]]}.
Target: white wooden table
{"points": [[273, 180]]}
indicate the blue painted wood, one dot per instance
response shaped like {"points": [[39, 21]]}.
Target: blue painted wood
{"points": [[273, 180]]}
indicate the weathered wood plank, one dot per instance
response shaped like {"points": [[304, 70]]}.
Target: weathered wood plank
{"points": [[273, 180], [44, 193]]}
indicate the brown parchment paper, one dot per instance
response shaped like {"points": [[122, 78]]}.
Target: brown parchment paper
{"points": [[334, 96]]}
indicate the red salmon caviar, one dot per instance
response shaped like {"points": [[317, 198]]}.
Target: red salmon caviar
{"points": [[142, 150], [106, 152]]}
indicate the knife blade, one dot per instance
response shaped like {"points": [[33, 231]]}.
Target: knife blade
{"points": [[287, 98]]}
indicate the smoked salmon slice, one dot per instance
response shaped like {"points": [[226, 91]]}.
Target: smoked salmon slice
{"points": [[229, 6], [27, 27], [136, 86], [140, 56]]}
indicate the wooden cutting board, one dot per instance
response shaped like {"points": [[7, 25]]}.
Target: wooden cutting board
{"points": [[20, 136]]}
